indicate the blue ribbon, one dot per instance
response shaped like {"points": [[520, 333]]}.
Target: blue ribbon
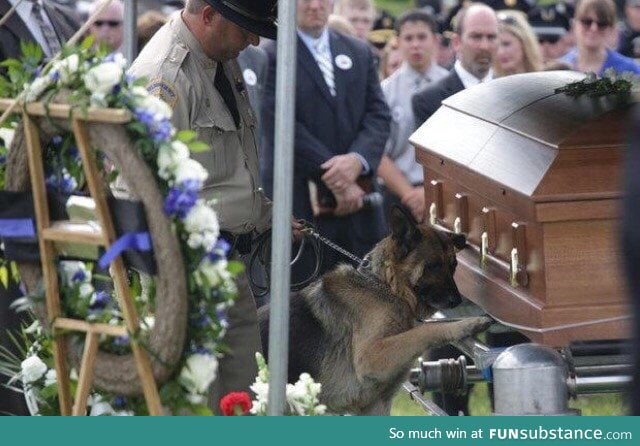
{"points": [[138, 241], [17, 228]]}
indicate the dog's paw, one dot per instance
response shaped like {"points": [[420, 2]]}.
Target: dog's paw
{"points": [[475, 325]]}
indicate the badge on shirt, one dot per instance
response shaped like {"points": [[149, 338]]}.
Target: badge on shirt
{"points": [[164, 90], [250, 77], [397, 113], [344, 62]]}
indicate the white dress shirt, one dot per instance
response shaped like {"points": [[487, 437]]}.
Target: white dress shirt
{"points": [[468, 79]]}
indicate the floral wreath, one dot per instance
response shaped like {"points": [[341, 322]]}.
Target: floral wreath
{"points": [[86, 77]]}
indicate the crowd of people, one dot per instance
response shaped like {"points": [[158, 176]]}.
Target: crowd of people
{"points": [[365, 82]]}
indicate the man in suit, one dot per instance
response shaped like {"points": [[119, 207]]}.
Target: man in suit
{"points": [[25, 25], [341, 125], [475, 42], [42, 21]]}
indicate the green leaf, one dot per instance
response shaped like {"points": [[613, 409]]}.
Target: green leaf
{"points": [[15, 273], [49, 392], [186, 136], [4, 276], [235, 267], [87, 43], [201, 410], [198, 147]]}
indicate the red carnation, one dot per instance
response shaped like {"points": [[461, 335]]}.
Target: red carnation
{"points": [[235, 403]]}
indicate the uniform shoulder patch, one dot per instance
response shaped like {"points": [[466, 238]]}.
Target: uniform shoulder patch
{"points": [[164, 90]]}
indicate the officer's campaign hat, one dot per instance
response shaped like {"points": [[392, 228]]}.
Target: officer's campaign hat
{"points": [[260, 18], [551, 22]]}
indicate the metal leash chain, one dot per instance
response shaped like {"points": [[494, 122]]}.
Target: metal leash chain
{"points": [[362, 263]]}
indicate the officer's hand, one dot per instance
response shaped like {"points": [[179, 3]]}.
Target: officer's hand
{"points": [[296, 229], [349, 200], [414, 200], [341, 171]]}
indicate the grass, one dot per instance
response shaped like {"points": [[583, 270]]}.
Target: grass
{"points": [[610, 404], [395, 7]]}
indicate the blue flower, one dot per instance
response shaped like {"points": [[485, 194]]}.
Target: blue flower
{"points": [[159, 130], [200, 321], [179, 201], [79, 276], [3, 159], [121, 341], [56, 141], [222, 317], [54, 76], [100, 300], [119, 402], [220, 251], [200, 349]]}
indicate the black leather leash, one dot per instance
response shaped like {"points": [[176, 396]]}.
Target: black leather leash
{"points": [[262, 254]]}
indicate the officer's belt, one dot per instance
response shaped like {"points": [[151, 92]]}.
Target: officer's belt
{"points": [[240, 243]]}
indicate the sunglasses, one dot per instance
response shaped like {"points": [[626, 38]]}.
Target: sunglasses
{"points": [[588, 22], [507, 19], [548, 39], [109, 23]]}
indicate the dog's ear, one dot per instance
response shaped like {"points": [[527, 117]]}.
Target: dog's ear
{"points": [[404, 231], [459, 241]]}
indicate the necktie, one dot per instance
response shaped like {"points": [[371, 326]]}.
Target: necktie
{"points": [[224, 88], [48, 32], [421, 81], [326, 66]]}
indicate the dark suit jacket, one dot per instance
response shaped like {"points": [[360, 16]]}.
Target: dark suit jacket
{"points": [[356, 120], [426, 102], [15, 30]]}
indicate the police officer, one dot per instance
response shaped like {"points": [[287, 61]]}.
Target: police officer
{"points": [[191, 64]]}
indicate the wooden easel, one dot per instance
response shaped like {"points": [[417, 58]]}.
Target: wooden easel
{"points": [[50, 232]]}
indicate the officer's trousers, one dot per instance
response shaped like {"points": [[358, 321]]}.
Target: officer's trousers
{"points": [[238, 369]]}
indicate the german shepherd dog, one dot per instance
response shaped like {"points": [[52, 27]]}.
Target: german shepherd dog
{"points": [[357, 331]]}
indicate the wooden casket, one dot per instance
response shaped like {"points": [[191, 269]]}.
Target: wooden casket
{"points": [[532, 177]]}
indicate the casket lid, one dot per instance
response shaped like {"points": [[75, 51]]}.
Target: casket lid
{"points": [[513, 128]]}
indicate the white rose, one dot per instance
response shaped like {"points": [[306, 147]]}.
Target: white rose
{"points": [[188, 169], [199, 372], [32, 369], [67, 67], [140, 92], [156, 106], [86, 291], [124, 413], [99, 100], [7, 136], [37, 87], [102, 78], [169, 156], [101, 408], [50, 378], [119, 59], [201, 218], [70, 268]]}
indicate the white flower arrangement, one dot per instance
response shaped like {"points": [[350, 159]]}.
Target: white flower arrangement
{"points": [[100, 80], [303, 397]]}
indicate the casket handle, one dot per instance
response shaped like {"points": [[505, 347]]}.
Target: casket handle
{"points": [[436, 210]]}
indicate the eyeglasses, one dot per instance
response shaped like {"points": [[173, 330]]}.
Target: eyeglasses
{"points": [[588, 22], [548, 39], [109, 23]]}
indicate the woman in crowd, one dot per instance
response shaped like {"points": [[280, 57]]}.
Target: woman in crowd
{"points": [[518, 49], [390, 59], [594, 25]]}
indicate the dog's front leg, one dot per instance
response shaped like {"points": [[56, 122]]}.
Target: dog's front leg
{"points": [[383, 359]]}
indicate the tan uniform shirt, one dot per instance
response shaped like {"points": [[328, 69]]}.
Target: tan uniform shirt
{"points": [[178, 71]]}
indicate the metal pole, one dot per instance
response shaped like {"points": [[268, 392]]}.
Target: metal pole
{"points": [[130, 45], [282, 200]]}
